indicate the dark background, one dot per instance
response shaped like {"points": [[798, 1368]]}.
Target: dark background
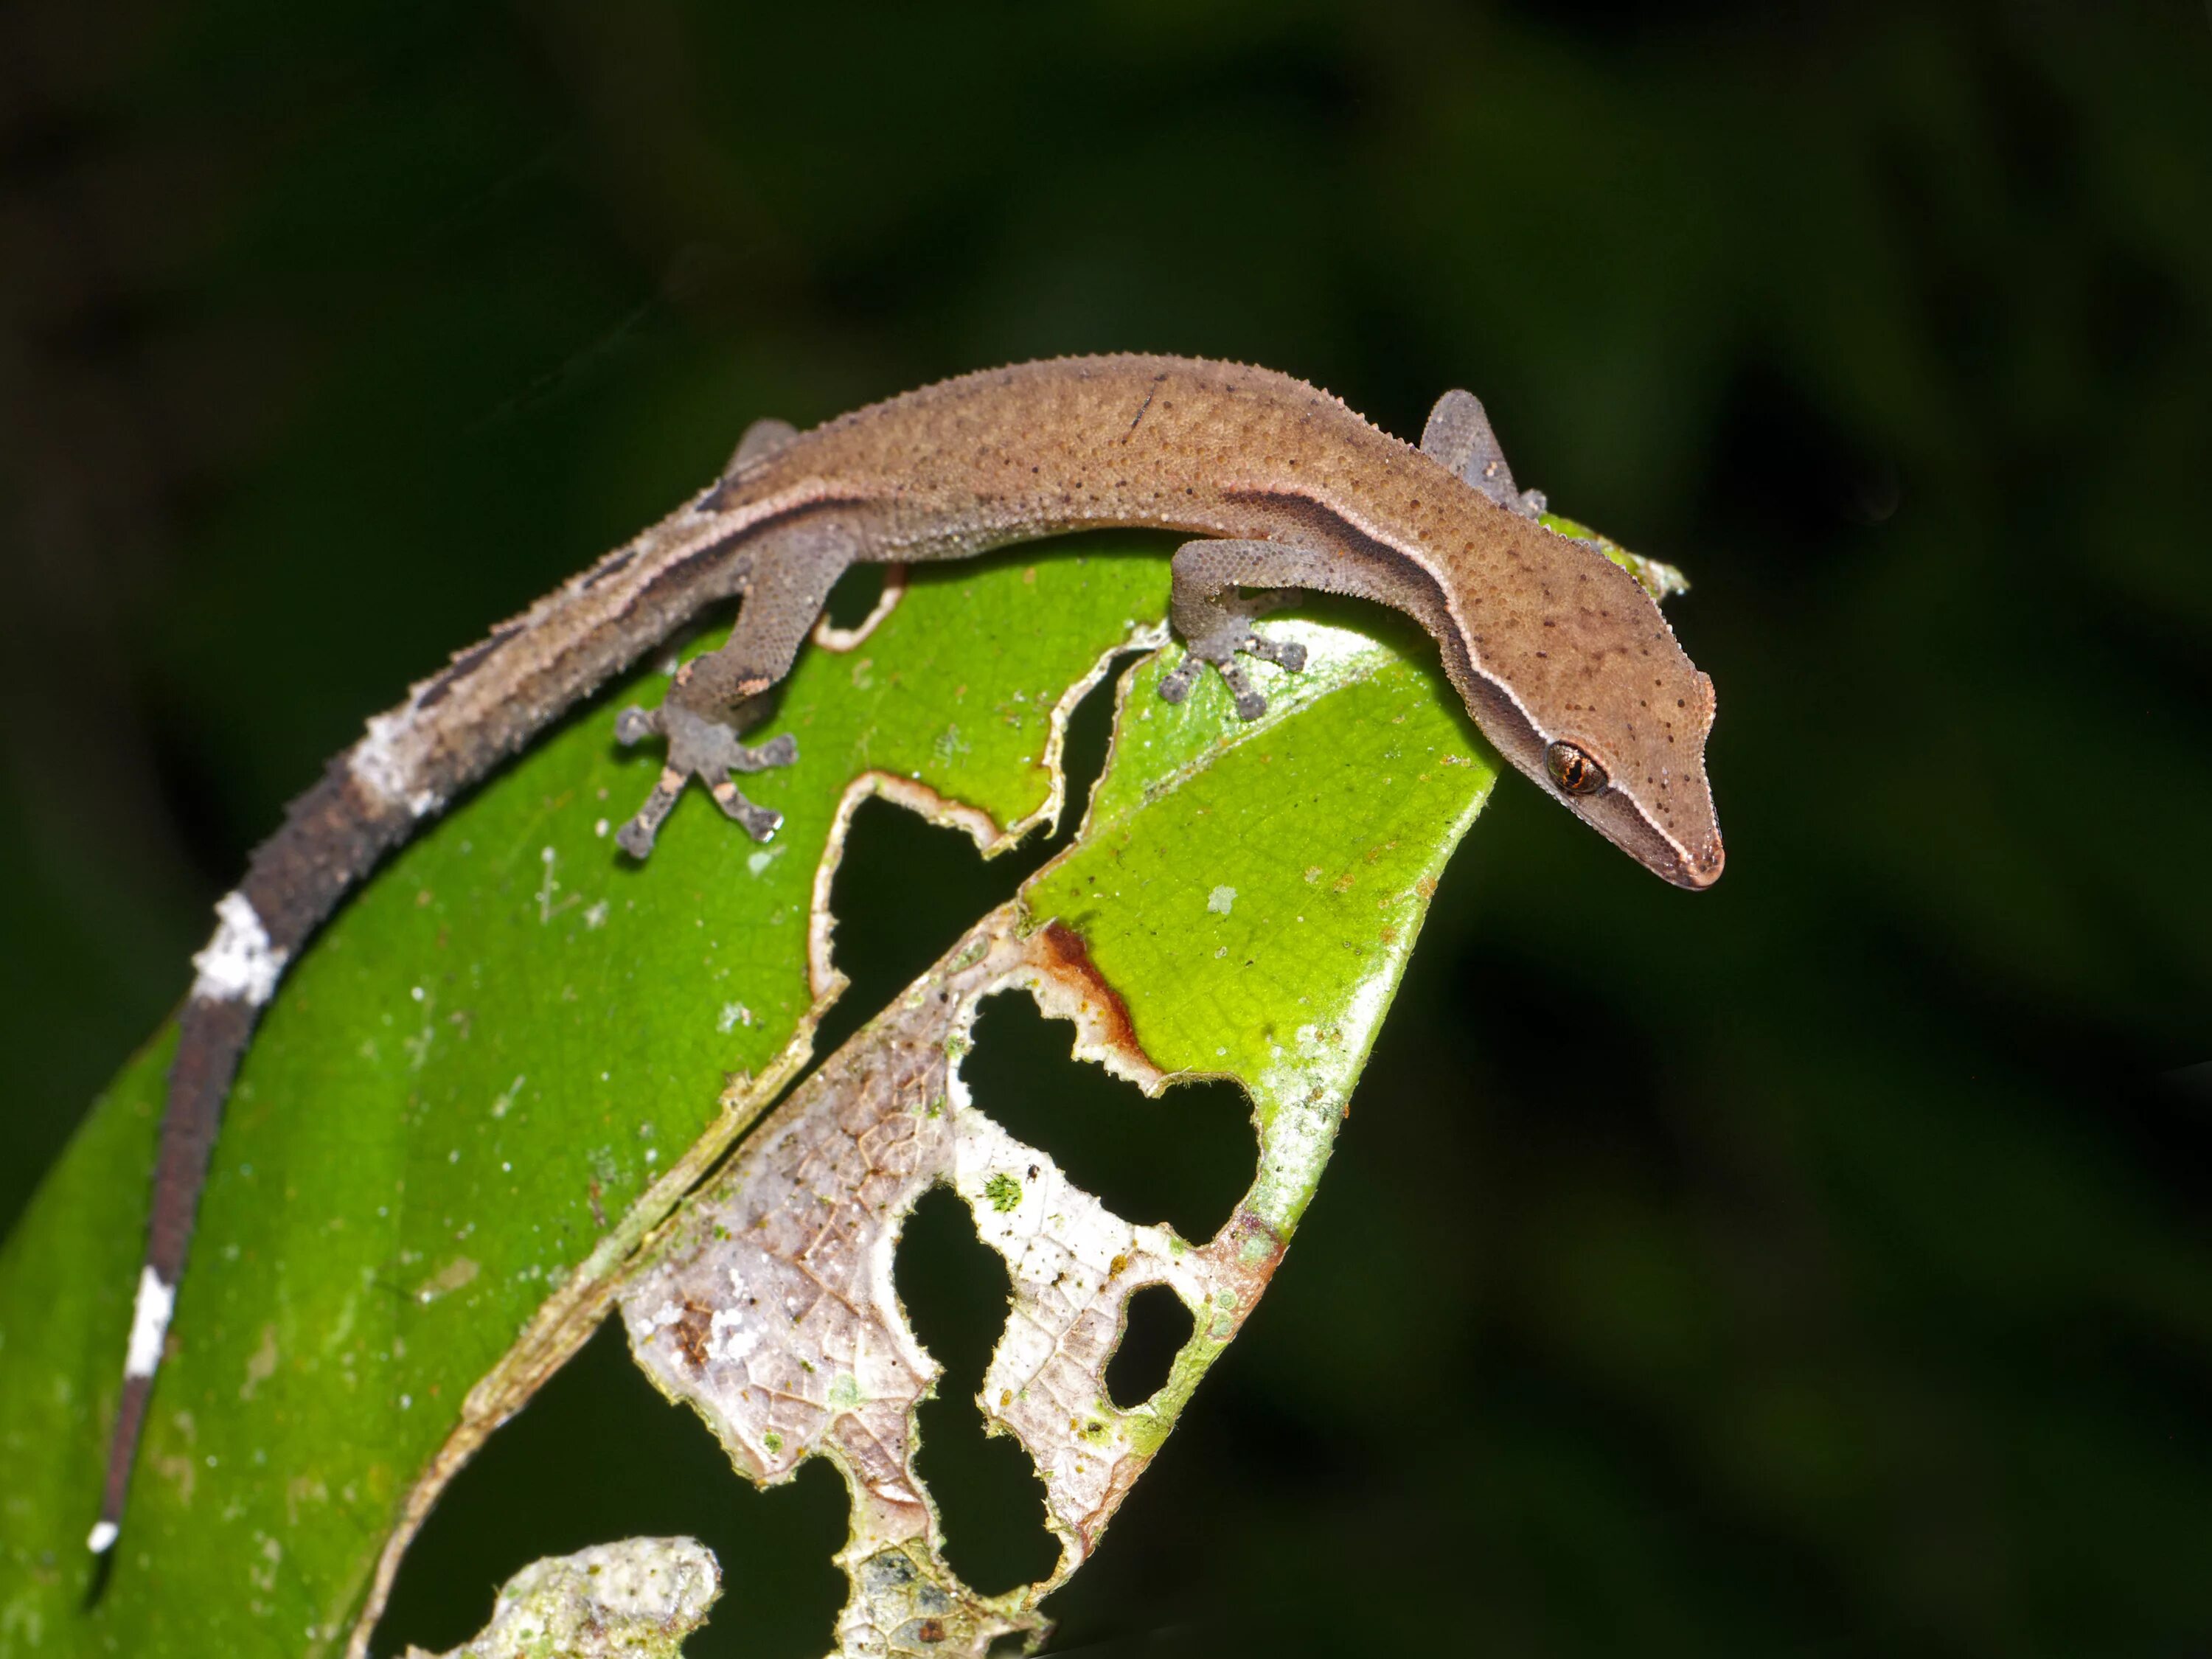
{"points": [[1814, 1267]]}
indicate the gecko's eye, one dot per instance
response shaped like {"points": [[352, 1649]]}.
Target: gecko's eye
{"points": [[1573, 770]]}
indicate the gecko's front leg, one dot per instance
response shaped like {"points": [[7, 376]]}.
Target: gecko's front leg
{"points": [[717, 696], [1214, 617]]}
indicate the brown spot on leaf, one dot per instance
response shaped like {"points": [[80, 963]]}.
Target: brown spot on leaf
{"points": [[692, 1333], [1068, 958]]}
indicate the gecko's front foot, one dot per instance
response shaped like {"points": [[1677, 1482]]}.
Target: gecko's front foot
{"points": [[1221, 648], [705, 750]]}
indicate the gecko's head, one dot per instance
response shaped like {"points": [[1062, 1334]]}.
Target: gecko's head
{"points": [[1582, 685], [1644, 788]]}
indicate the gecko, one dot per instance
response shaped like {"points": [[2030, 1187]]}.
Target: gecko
{"points": [[1562, 659]]}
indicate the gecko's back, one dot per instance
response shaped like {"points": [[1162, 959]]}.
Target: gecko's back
{"points": [[1546, 640]]}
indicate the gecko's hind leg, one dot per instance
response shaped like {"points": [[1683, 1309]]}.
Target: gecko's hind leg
{"points": [[716, 696], [1459, 434], [762, 438], [1213, 612], [707, 750]]}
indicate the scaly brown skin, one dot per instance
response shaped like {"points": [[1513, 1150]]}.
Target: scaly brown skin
{"points": [[1563, 660]]}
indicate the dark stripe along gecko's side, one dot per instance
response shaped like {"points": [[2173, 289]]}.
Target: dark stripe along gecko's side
{"points": [[1562, 659]]}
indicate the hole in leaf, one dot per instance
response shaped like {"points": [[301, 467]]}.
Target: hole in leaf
{"points": [[1153, 1332], [596, 1455], [954, 1288], [1185, 1158], [854, 595], [903, 892], [906, 888]]}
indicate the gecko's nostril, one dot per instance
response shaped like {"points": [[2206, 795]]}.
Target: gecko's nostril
{"points": [[1706, 865]]}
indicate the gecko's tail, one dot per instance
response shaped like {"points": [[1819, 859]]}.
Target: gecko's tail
{"points": [[331, 837], [452, 728]]}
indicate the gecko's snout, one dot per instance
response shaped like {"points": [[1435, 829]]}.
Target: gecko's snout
{"points": [[1703, 867], [1671, 832]]}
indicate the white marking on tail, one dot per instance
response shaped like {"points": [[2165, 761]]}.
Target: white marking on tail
{"points": [[238, 965], [376, 764], [103, 1538], [149, 1324]]}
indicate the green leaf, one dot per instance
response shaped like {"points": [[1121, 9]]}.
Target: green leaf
{"points": [[485, 1080], [505, 1060]]}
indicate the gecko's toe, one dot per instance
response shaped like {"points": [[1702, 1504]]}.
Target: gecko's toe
{"points": [[634, 726], [780, 750], [636, 837], [1250, 704], [758, 822], [1175, 686], [1286, 655]]}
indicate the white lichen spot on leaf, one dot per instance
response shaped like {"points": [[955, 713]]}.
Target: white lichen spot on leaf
{"points": [[261, 1364], [635, 1599], [459, 1272]]}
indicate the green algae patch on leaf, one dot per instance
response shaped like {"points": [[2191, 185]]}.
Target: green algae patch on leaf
{"points": [[495, 1069]]}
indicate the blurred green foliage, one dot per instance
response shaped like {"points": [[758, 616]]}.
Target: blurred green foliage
{"points": [[1815, 1262]]}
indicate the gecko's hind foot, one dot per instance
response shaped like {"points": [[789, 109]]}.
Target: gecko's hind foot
{"points": [[705, 750], [1221, 651]]}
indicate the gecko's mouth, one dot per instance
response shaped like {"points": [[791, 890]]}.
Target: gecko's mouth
{"points": [[1692, 863], [1694, 871]]}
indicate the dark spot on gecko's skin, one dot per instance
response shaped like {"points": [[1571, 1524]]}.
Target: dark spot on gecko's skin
{"points": [[1157, 381], [465, 662], [613, 565]]}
